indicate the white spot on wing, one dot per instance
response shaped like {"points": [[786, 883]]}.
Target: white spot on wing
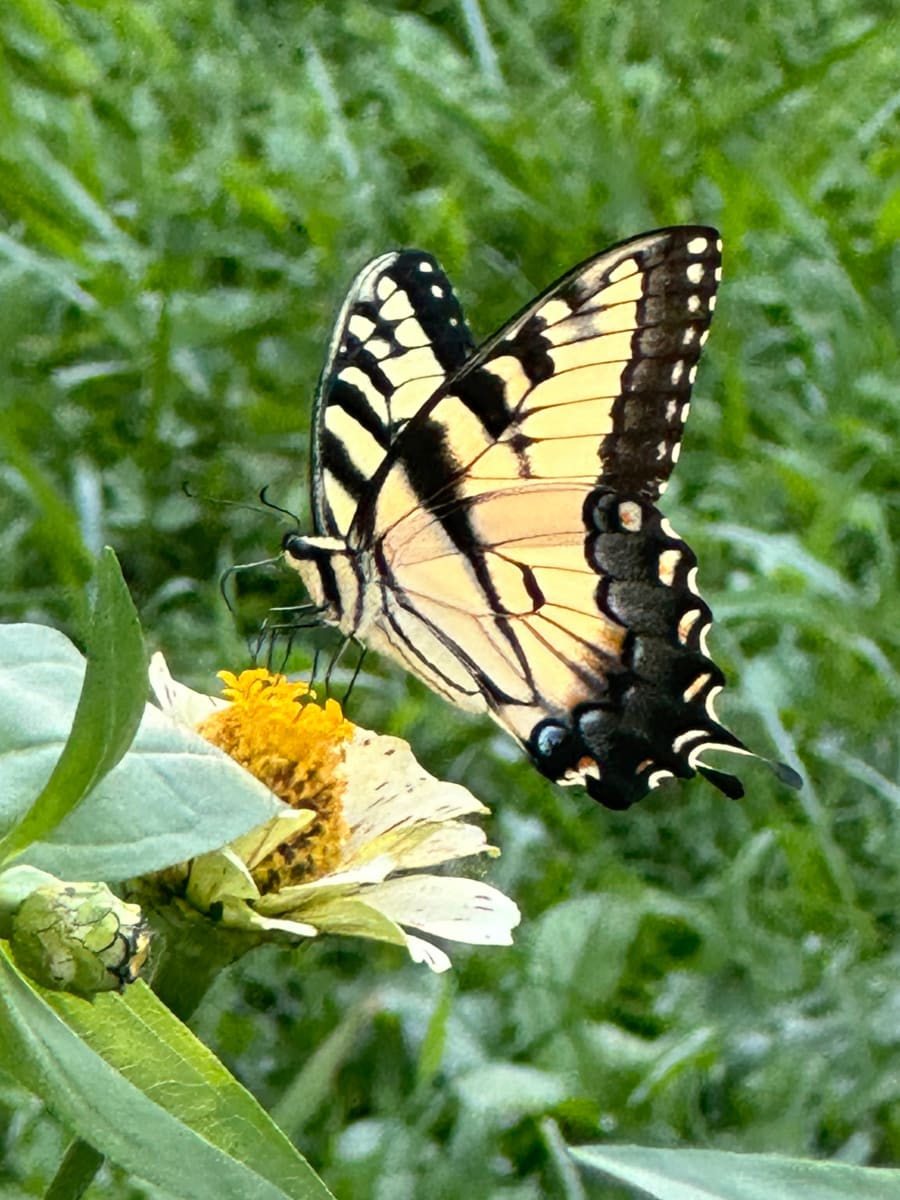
{"points": [[692, 374], [437, 290], [671, 410], [711, 303], [426, 268], [690, 336], [630, 516], [587, 767], [667, 566], [695, 272], [692, 581], [697, 245], [657, 777], [685, 412], [676, 452], [677, 372], [666, 526], [693, 303]]}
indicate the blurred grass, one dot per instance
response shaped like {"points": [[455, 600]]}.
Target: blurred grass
{"points": [[186, 190]]}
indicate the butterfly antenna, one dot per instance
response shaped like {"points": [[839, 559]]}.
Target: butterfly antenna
{"points": [[273, 507], [223, 502]]}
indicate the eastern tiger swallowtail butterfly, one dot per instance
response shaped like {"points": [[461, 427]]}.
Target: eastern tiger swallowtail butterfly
{"points": [[487, 515]]}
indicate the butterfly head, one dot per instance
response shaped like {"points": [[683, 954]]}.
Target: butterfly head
{"points": [[329, 571]]}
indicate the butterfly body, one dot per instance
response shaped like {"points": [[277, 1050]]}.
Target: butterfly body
{"points": [[487, 516]]}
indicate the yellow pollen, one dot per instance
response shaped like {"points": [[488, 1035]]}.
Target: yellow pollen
{"points": [[278, 732]]}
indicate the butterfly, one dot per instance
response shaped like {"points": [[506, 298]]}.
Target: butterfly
{"points": [[487, 516]]}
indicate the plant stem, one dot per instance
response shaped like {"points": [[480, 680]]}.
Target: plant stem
{"points": [[75, 1173]]}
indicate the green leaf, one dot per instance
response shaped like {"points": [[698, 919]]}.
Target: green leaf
{"points": [[172, 796], [109, 710], [126, 1076], [721, 1175]]}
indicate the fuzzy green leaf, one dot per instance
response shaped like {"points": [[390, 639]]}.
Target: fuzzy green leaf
{"points": [[125, 1075], [720, 1175], [171, 797]]}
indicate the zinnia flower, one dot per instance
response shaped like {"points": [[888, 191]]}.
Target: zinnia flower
{"points": [[353, 851]]}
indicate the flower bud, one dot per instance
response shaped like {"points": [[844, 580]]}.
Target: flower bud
{"points": [[79, 937]]}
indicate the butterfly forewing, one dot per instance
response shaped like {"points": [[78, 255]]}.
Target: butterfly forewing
{"points": [[591, 381], [399, 335]]}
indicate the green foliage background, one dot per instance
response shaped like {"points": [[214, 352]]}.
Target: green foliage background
{"points": [[186, 189]]}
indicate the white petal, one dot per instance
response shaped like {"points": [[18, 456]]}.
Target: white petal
{"points": [[177, 701], [463, 910], [431, 956], [388, 791]]}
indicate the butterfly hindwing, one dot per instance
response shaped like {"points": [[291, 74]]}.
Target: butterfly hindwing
{"points": [[400, 333], [499, 536]]}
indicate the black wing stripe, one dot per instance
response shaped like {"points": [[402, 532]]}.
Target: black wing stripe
{"points": [[399, 334]]}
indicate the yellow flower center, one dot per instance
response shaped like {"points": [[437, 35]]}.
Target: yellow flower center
{"points": [[276, 730]]}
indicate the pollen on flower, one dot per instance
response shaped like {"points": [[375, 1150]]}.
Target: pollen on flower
{"points": [[279, 732]]}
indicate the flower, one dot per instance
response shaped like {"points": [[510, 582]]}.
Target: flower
{"points": [[363, 825]]}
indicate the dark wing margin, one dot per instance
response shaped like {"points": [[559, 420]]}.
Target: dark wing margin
{"points": [[399, 334]]}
